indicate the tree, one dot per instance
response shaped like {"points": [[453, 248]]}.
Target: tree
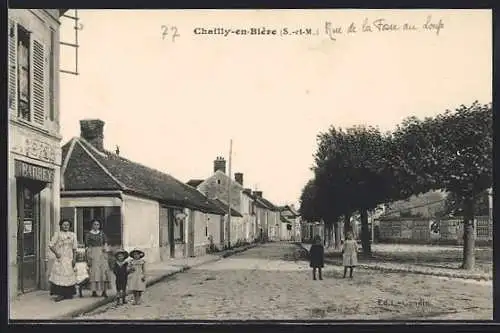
{"points": [[453, 206], [452, 151], [331, 176], [466, 163], [309, 208]]}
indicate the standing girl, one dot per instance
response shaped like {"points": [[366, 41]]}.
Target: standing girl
{"points": [[96, 242], [62, 275], [317, 257], [137, 277], [349, 254]]}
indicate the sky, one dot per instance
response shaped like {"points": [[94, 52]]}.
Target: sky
{"points": [[174, 104]]}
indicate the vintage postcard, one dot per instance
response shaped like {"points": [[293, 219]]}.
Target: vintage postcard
{"points": [[250, 165]]}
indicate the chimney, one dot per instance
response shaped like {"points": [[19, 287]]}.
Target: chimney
{"points": [[92, 130], [238, 177], [257, 193], [220, 164]]}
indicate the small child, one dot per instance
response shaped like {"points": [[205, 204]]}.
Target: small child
{"points": [[81, 270], [349, 254], [121, 270], [137, 276], [317, 257]]}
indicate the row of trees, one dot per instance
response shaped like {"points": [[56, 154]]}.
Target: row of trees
{"points": [[358, 168]]}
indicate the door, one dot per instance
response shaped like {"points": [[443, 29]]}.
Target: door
{"points": [[222, 231], [191, 228], [164, 234], [27, 237], [171, 237]]}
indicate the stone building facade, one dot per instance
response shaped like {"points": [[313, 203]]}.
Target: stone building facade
{"points": [[34, 145]]}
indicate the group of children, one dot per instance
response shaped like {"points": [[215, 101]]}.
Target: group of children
{"points": [[349, 255], [128, 268]]}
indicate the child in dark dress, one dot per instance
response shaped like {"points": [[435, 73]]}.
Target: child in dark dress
{"points": [[121, 270], [317, 257]]}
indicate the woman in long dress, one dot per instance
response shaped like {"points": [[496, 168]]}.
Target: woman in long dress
{"points": [[62, 276], [96, 243]]}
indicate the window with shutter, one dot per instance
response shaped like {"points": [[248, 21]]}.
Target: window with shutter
{"points": [[12, 66], [38, 82], [23, 74]]}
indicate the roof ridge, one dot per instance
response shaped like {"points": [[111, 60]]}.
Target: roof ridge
{"points": [[64, 165], [123, 187]]}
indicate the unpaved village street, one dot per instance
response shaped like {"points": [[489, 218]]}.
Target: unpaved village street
{"points": [[273, 281]]}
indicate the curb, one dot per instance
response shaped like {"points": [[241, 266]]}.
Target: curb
{"points": [[408, 270], [93, 306]]}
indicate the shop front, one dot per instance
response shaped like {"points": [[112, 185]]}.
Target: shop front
{"points": [[31, 180], [33, 209]]}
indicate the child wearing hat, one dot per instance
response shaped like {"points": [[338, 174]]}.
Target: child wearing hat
{"points": [[137, 276], [121, 270]]}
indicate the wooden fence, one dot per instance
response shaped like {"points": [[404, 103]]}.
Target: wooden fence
{"points": [[425, 231]]}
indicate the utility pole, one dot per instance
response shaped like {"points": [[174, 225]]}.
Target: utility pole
{"points": [[229, 195]]}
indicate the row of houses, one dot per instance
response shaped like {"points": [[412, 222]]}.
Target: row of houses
{"points": [[137, 206], [146, 208]]}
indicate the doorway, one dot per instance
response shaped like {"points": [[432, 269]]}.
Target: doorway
{"points": [[171, 236], [28, 235]]}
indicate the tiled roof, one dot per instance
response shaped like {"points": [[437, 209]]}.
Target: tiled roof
{"points": [[289, 209], [195, 182], [90, 169], [222, 205], [285, 220], [269, 204]]}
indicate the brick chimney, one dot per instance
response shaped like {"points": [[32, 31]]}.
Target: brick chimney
{"points": [[92, 130], [257, 193], [220, 164], [238, 177]]}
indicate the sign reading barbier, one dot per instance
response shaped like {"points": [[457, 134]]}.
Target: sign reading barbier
{"points": [[31, 171]]}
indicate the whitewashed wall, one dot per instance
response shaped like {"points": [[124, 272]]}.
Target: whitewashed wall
{"points": [[214, 228], [141, 226]]}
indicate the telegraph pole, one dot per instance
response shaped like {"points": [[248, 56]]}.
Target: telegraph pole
{"points": [[229, 195]]}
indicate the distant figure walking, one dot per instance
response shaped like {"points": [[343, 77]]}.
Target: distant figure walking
{"points": [[349, 254], [317, 257]]}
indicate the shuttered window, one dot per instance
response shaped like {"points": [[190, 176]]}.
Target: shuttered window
{"points": [[28, 75], [38, 81], [12, 67]]}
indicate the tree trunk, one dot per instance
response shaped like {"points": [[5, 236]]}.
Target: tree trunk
{"points": [[337, 234], [347, 224], [331, 242], [469, 258], [365, 232]]}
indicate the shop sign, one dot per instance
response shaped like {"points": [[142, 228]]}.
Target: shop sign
{"points": [[31, 146], [35, 172]]}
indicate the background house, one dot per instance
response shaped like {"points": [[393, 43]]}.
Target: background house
{"points": [[137, 205], [218, 186], [34, 154], [292, 220], [248, 211]]}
